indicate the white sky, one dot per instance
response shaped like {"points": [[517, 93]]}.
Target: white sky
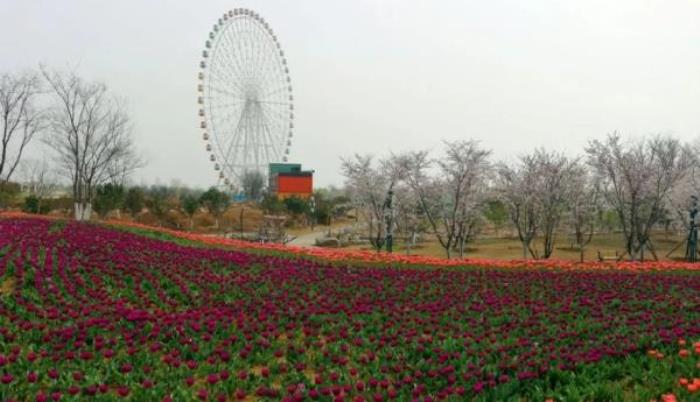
{"points": [[378, 76]]}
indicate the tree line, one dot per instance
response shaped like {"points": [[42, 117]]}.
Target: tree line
{"points": [[642, 182]]}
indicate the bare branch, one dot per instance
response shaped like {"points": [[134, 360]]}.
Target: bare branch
{"points": [[20, 119]]}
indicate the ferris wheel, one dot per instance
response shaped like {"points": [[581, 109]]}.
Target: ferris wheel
{"points": [[245, 97]]}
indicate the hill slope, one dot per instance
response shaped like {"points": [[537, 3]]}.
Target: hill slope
{"points": [[91, 311]]}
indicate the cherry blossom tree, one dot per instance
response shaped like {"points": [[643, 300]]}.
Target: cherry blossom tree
{"points": [[636, 179], [450, 190]]}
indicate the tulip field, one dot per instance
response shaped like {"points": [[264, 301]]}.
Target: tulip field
{"points": [[91, 312]]}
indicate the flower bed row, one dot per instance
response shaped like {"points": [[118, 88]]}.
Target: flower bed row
{"points": [[330, 254]]}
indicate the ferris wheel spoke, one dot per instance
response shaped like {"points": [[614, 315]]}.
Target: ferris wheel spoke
{"points": [[263, 40], [227, 75], [279, 103], [232, 95], [226, 121], [219, 102], [279, 126], [271, 139], [222, 136], [218, 94], [252, 41], [237, 59], [217, 109], [233, 143], [277, 90], [268, 66], [223, 122], [244, 48], [228, 83], [274, 89], [271, 71], [221, 57], [281, 113], [234, 59], [224, 79]]}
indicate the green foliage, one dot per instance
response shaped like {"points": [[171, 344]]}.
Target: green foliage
{"points": [[189, 204], [8, 193], [134, 201], [328, 206], [296, 206], [272, 205], [496, 213], [108, 197], [158, 201], [60, 203], [35, 205], [215, 201], [609, 219]]}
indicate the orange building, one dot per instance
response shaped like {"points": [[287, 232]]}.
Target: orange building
{"points": [[288, 180]]}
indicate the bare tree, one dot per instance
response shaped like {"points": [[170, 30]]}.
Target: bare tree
{"points": [[449, 200], [636, 179], [91, 135], [253, 184], [20, 117]]}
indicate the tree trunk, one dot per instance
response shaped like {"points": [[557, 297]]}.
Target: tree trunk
{"points": [[83, 210], [410, 244], [240, 220]]}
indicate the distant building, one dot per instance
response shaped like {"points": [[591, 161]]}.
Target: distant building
{"points": [[288, 180]]}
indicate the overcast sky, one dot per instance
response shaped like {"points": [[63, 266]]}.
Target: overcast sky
{"points": [[379, 76]]}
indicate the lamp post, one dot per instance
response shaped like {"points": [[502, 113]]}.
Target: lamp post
{"points": [[389, 220], [691, 250], [312, 209]]}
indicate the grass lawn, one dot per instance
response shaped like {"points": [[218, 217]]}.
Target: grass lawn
{"points": [[509, 248]]}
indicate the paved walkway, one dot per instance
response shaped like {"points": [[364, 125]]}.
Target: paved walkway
{"points": [[309, 239]]}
